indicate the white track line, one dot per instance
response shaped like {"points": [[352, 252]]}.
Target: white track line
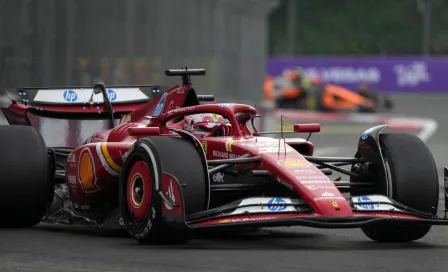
{"points": [[428, 130], [428, 126]]}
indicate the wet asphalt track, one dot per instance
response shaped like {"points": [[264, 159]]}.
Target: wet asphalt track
{"points": [[57, 248]]}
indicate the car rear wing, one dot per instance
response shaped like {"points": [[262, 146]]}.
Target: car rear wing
{"points": [[80, 102], [78, 96], [74, 102]]}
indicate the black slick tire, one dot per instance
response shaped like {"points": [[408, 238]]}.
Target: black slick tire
{"points": [[25, 185], [415, 183], [178, 158]]}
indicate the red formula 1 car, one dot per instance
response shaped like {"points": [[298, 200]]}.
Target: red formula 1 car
{"points": [[162, 183]]}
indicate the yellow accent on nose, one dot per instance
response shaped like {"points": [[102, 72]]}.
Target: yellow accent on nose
{"points": [[109, 159]]}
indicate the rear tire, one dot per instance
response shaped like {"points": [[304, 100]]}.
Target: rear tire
{"points": [[415, 183], [26, 188], [173, 156]]}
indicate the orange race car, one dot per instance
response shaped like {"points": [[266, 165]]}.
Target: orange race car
{"points": [[291, 90]]}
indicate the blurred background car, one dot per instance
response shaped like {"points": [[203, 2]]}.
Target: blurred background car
{"points": [[293, 91]]}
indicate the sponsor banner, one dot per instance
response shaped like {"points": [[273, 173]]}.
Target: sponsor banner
{"points": [[67, 96], [388, 74], [266, 205], [373, 203]]}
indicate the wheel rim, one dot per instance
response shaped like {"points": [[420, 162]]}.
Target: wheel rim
{"points": [[139, 191]]}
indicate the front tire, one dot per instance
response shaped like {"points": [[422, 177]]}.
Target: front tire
{"points": [[414, 183], [143, 167]]}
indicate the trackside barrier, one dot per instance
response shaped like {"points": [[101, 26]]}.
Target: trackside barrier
{"points": [[424, 126]]}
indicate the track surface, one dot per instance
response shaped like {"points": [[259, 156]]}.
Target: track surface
{"points": [[56, 248]]}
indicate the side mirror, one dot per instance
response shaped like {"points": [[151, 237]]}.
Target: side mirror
{"points": [[300, 128]]}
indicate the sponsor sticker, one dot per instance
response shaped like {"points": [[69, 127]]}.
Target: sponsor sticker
{"points": [[86, 171], [204, 146], [80, 95], [71, 180], [170, 106], [369, 206], [158, 109], [275, 149], [229, 146], [294, 163], [304, 171], [277, 204], [180, 90], [218, 177], [266, 205], [374, 203], [95, 139], [311, 177], [70, 96], [112, 95], [246, 219], [327, 194], [170, 193], [81, 207], [226, 105], [316, 181], [335, 205], [367, 133], [224, 155], [315, 187], [328, 198]]}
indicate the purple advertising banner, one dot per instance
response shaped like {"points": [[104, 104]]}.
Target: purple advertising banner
{"points": [[388, 74]]}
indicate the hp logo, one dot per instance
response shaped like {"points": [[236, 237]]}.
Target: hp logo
{"points": [[369, 206], [111, 95], [277, 204], [70, 96]]}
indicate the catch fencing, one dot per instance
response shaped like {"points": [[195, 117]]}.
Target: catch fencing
{"points": [[67, 42]]}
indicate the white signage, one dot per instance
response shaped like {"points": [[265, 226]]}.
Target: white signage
{"points": [[68, 96]]}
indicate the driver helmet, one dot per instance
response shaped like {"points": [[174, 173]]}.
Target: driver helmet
{"points": [[204, 125]]}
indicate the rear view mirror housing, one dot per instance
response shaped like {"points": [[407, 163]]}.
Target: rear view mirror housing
{"points": [[300, 128]]}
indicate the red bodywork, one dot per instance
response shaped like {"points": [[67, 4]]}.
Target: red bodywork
{"points": [[107, 150]]}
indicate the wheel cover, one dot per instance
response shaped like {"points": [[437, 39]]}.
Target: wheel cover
{"points": [[139, 191]]}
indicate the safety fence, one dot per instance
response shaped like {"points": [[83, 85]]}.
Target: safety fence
{"points": [[66, 42]]}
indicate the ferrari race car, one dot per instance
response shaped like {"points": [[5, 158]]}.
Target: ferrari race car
{"points": [[323, 97], [152, 176]]}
